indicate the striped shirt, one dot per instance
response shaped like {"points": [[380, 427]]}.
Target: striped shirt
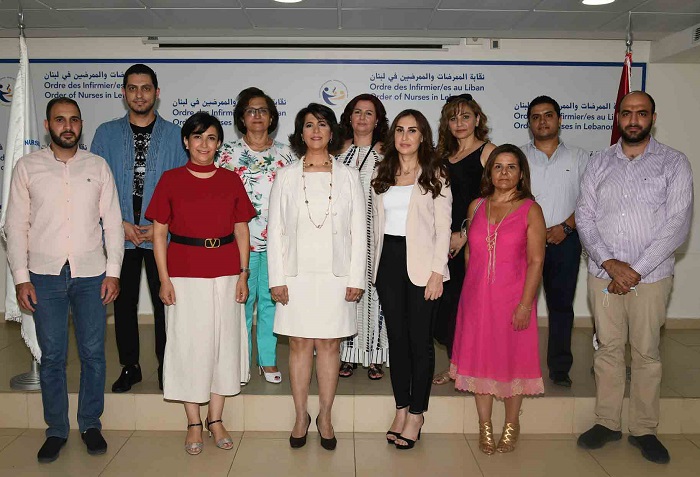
{"points": [[635, 210], [555, 180]]}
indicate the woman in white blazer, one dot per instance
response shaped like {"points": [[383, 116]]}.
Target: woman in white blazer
{"points": [[316, 249], [413, 212]]}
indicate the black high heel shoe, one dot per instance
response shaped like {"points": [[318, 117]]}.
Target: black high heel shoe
{"points": [[392, 433], [409, 442], [297, 442], [328, 444]]}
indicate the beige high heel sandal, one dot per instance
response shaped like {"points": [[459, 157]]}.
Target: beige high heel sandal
{"points": [[509, 438], [486, 442]]}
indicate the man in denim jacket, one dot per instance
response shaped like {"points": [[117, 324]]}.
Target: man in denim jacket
{"points": [[138, 147]]}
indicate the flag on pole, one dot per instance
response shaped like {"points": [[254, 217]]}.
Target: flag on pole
{"points": [[625, 85], [22, 138]]}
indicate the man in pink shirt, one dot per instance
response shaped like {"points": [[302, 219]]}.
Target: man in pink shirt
{"points": [[62, 202]]}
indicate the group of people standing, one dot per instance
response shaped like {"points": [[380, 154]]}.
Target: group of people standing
{"points": [[356, 239]]}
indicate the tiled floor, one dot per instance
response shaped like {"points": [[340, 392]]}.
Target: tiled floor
{"points": [[680, 352], [258, 454]]}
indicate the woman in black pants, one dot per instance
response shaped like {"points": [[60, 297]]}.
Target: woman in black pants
{"points": [[412, 206]]}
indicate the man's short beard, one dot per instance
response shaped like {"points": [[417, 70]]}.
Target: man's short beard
{"points": [[643, 134], [65, 144]]}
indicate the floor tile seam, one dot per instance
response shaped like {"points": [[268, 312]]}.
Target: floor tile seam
{"points": [[471, 449], [600, 464], [692, 441], [9, 443], [117, 453], [235, 454]]}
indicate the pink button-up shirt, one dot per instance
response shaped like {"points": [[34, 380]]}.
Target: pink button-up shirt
{"points": [[58, 211]]}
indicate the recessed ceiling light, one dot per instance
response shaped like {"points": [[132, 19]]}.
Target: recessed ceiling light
{"points": [[590, 2], [288, 1]]}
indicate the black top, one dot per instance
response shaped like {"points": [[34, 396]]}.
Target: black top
{"points": [[142, 139], [465, 182]]}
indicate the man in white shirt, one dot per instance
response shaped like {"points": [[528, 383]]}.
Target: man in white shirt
{"points": [[556, 170]]}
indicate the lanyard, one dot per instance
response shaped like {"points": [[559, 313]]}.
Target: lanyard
{"points": [[371, 148]]}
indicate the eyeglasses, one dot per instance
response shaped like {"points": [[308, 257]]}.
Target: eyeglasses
{"points": [[257, 111], [465, 96]]}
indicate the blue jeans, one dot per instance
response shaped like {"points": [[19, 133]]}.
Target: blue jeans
{"points": [[55, 294]]}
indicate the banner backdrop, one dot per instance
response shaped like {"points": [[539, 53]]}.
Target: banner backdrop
{"points": [[585, 91]]}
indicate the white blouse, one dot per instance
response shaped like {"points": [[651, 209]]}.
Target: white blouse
{"points": [[396, 201]]}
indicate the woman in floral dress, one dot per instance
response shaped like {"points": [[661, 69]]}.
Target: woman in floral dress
{"points": [[255, 158]]}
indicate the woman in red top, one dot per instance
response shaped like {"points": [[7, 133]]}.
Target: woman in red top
{"points": [[206, 211]]}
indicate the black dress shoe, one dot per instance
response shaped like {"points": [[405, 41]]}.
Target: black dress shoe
{"points": [[597, 436], [652, 449], [328, 444], [563, 381], [297, 442], [94, 441], [50, 450], [130, 376]]}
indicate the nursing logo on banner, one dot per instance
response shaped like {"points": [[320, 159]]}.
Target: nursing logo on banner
{"points": [[7, 87], [333, 92]]}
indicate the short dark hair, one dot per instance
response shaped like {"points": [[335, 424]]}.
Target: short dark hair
{"points": [[242, 101], [197, 124], [140, 69], [319, 111], [543, 100], [653, 103], [524, 188], [60, 100], [379, 132]]}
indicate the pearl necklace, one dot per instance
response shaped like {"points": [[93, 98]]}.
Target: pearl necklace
{"points": [[306, 199]]}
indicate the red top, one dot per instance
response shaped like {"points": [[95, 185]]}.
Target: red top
{"points": [[201, 208]]}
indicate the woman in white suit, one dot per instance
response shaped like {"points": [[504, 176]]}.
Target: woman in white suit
{"points": [[412, 206], [316, 262]]}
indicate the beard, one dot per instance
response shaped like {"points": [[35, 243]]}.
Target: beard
{"points": [[65, 143], [636, 138]]}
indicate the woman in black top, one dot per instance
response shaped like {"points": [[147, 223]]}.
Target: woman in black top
{"points": [[464, 146]]}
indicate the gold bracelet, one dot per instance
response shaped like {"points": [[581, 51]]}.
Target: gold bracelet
{"points": [[525, 307]]}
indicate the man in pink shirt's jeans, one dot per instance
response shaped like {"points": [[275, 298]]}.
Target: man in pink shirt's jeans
{"points": [[62, 202]]}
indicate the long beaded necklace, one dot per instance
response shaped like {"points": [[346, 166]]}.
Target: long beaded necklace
{"points": [[306, 199], [491, 238]]}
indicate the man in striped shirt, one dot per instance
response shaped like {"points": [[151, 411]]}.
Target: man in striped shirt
{"points": [[633, 212]]}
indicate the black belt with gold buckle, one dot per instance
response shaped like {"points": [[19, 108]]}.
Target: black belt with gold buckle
{"points": [[202, 242]]}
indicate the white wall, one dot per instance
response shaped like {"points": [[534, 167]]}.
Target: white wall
{"points": [[673, 87]]}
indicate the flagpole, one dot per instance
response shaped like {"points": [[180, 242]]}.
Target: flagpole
{"points": [[28, 381]]}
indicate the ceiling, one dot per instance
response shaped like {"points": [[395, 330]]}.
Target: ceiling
{"points": [[652, 19]]}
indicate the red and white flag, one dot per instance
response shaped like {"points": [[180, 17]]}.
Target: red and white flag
{"points": [[625, 85], [22, 138]]}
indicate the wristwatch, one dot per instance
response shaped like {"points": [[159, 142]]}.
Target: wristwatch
{"points": [[245, 270], [567, 230]]}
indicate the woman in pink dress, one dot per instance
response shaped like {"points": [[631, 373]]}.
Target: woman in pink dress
{"points": [[495, 351]]}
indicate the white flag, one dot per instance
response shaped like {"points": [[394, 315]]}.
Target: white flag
{"points": [[22, 138]]}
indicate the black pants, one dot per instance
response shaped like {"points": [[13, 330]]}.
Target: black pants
{"points": [[559, 277], [446, 317], [409, 324], [126, 306]]}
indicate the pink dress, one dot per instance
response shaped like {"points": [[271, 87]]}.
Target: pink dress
{"points": [[488, 356]]}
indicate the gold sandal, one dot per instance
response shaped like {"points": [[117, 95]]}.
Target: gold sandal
{"points": [[442, 378], [509, 438], [486, 443]]}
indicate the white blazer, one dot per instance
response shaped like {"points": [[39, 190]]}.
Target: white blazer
{"points": [[347, 219]]}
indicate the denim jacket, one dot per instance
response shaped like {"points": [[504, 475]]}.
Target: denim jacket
{"points": [[114, 141]]}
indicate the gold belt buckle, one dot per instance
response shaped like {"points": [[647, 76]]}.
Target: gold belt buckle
{"points": [[212, 243]]}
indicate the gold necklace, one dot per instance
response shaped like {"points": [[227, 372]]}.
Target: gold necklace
{"points": [[306, 199], [491, 241]]}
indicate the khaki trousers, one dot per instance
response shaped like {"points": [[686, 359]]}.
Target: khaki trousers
{"points": [[636, 317]]}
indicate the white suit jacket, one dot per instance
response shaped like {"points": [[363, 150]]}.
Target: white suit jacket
{"points": [[347, 219]]}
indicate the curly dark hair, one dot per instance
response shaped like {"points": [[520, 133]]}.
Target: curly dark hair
{"points": [[242, 101], [319, 111], [447, 143], [433, 170], [524, 190], [380, 129]]}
